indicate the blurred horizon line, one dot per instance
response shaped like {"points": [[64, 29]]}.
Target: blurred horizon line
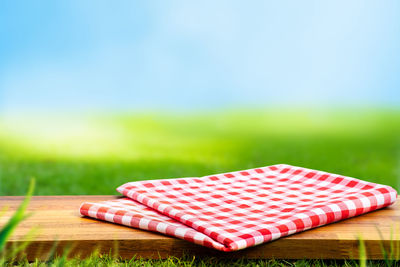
{"points": [[271, 109]]}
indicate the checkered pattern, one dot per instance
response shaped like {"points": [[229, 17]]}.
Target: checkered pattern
{"points": [[235, 210], [131, 213]]}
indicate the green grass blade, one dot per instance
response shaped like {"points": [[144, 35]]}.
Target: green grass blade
{"points": [[20, 248], [383, 250], [363, 253], [18, 216]]}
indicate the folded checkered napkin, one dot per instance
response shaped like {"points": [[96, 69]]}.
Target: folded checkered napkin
{"points": [[236, 210]]}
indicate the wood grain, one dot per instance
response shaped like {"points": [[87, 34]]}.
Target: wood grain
{"points": [[56, 218]]}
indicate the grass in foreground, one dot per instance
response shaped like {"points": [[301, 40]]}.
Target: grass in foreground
{"points": [[107, 260]]}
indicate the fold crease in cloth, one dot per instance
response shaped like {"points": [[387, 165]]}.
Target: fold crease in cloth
{"points": [[236, 210]]}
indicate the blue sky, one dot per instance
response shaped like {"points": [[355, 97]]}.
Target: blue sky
{"points": [[134, 55]]}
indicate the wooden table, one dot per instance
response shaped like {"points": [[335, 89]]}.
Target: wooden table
{"points": [[57, 219]]}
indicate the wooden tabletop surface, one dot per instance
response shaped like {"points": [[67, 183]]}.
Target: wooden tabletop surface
{"points": [[56, 218]]}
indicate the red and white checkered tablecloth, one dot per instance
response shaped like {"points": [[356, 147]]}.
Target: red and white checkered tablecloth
{"points": [[236, 210]]}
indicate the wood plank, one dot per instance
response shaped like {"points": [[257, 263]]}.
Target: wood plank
{"points": [[57, 218]]}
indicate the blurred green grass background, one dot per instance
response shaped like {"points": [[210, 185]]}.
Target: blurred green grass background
{"points": [[93, 154]]}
